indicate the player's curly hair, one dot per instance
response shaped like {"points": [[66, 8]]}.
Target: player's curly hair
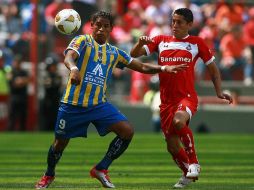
{"points": [[103, 14], [186, 13]]}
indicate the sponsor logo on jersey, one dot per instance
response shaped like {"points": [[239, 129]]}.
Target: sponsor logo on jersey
{"points": [[175, 59], [97, 70]]}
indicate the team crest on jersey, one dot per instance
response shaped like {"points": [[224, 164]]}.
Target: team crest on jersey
{"points": [[89, 44], [100, 55], [98, 70], [188, 47]]}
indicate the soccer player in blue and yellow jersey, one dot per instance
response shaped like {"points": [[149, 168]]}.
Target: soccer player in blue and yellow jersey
{"points": [[91, 60]]}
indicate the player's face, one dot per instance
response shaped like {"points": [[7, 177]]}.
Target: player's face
{"points": [[180, 27], [101, 30]]}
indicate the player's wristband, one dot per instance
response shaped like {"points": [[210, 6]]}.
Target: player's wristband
{"points": [[73, 68], [163, 68]]}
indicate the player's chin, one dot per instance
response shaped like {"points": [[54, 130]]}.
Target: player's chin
{"points": [[175, 33], [101, 37]]}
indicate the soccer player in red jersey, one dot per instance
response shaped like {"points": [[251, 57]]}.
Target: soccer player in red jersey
{"points": [[178, 96]]}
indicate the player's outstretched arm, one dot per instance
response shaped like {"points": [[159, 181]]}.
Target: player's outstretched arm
{"points": [[69, 62], [138, 49], [150, 68], [215, 76]]}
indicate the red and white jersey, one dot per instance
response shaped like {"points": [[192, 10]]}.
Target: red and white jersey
{"points": [[172, 51]]}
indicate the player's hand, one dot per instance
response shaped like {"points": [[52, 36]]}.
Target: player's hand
{"points": [[144, 40], [226, 96], [175, 68], [75, 77]]}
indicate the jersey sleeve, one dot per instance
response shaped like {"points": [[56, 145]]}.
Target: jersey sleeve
{"points": [[153, 47], [77, 44], [205, 53], [124, 59]]}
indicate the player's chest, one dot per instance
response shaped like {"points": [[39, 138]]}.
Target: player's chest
{"points": [[177, 52]]}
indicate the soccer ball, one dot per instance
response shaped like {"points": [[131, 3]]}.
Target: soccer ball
{"points": [[67, 21]]}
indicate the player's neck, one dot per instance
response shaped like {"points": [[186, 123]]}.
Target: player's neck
{"points": [[182, 37], [99, 41]]}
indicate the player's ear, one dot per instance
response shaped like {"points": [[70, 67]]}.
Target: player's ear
{"points": [[190, 24]]}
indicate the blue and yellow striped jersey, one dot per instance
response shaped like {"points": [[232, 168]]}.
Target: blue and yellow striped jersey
{"points": [[96, 63]]}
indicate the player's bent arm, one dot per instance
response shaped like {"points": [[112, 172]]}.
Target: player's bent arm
{"points": [[70, 58], [70, 63], [216, 79], [149, 68], [137, 50]]}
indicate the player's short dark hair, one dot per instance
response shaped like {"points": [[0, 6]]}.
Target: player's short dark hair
{"points": [[103, 14], [186, 13]]}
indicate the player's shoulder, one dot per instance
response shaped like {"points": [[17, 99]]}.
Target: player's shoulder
{"points": [[112, 49], [163, 37], [81, 38], [115, 49], [196, 39]]}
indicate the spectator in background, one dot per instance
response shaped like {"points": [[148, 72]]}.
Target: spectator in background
{"points": [[120, 36], [152, 99], [52, 85], [12, 21], [4, 92], [232, 46], [158, 9], [249, 33], [134, 16], [4, 86], [86, 8], [228, 15], [139, 86], [18, 95], [56, 41], [209, 33]]}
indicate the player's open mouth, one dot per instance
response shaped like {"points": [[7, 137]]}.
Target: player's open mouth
{"points": [[100, 35]]}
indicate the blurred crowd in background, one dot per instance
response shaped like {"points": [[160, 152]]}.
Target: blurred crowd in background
{"points": [[226, 26]]}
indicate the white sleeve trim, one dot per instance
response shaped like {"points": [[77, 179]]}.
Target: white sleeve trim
{"points": [[147, 50], [210, 61], [71, 49], [188, 111], [131, 59]]}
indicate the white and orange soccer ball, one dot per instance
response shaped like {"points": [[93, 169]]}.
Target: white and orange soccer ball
{"points": [[67, 21]]}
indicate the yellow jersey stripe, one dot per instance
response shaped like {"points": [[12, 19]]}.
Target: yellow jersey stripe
{"points": [[87, 94], [104, 55], [96, 95], [67, 92], [96, 52]]}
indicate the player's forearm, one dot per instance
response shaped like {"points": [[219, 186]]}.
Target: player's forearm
{"points": [[149, 68], [217, 84], [216, 79], [136, 51], [70, 63]]}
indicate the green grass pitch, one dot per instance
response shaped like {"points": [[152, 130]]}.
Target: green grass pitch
{"points": [[227, 162]]}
